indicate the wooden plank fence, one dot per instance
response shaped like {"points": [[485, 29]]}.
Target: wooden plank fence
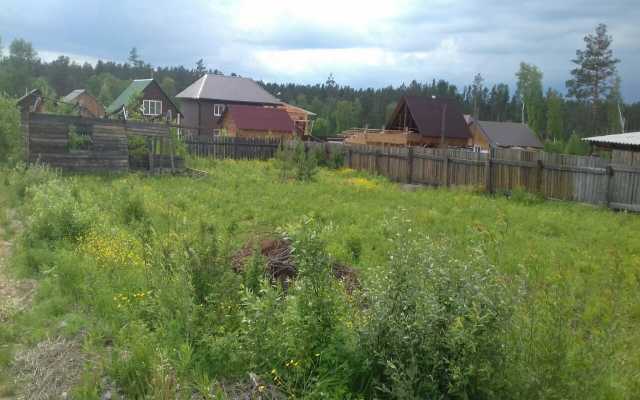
{"points": [[229, 147], [47, 140], [614, 183]]}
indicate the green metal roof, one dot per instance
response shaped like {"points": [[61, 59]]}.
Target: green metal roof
{"points": [[136, 87]]}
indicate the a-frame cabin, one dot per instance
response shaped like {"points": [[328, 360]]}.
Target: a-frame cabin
{"points": [[438, 122]]}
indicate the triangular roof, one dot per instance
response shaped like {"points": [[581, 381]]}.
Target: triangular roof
{"points": [[71, 97], [135, 88], [509, 134], [259, 118], [228, 88], [28, 95], [424, 115]]}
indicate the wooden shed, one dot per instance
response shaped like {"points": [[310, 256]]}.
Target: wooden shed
{"points": [[86, 105], [492, 134], [257, 122], [31, 102]]}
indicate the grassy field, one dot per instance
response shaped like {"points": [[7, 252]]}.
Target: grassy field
{"points": [[463, 295]]}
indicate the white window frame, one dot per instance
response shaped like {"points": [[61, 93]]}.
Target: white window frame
{"points": [[148, 105], [218, 110]]}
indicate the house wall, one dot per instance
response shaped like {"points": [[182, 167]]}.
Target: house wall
{"points": [[90, 107], [478, 138], [153, 92], [199, 113], [229, 125]]}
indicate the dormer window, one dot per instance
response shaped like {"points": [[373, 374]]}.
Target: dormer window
{"points": [[151, 107], [218, 109]]}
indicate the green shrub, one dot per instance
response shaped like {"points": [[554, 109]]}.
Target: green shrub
{"points": [[133, 360], [295, 161], [11, 143], [435, 324], [56, 214]]}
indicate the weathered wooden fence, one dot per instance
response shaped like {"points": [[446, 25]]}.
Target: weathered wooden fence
{"points": [[230, 147], [614, 183], [49, 137]]}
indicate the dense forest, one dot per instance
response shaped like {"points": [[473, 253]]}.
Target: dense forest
{"points": [[590, 106]]}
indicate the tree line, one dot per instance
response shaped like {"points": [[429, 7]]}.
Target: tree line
{"points": [[592, 105]]}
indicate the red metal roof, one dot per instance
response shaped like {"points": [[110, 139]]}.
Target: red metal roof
{"points": [[259, 118]]}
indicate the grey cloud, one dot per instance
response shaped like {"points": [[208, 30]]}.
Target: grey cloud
{"points": [[492, 36]]}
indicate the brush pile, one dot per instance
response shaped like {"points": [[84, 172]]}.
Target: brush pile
{"points": [[280, 263]]}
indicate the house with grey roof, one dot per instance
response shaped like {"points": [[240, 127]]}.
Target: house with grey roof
{"points": [[492, 134], [204, 102]]}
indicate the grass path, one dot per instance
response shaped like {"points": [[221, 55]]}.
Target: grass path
{"points": [[16, 295]]}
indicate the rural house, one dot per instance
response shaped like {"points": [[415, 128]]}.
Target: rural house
{"points": [[204, 102], [86, 105], [245, 121], [154, 102], [491, 134], [419, 121]]}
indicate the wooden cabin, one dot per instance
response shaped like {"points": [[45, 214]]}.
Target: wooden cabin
{"points": [[418, 121], [245, 121], [86, 105], [205, 101], [490, 134], [154, 102]]}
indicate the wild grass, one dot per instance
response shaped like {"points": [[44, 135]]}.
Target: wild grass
{"points": [[464, 295]]}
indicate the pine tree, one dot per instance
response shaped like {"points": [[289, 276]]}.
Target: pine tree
{"points": [[201, 68], [594, 76], [133, 56]]}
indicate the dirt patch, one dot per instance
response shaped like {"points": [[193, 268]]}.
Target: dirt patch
{"points": [[280, 265], [50, 369]]}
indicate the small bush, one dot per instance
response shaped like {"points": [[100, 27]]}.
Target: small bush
{"points": [[56, 214], [434, 324], [295, 162]]}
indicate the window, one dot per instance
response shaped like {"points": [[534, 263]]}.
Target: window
{"points": [[218, 109], [151, 107], [216, 132], [79, 138]]}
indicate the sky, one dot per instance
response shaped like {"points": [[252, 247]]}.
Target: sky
{"points": [[362, 43]]}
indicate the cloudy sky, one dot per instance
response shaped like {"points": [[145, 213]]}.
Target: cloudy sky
{"points": [[366, 43]]}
